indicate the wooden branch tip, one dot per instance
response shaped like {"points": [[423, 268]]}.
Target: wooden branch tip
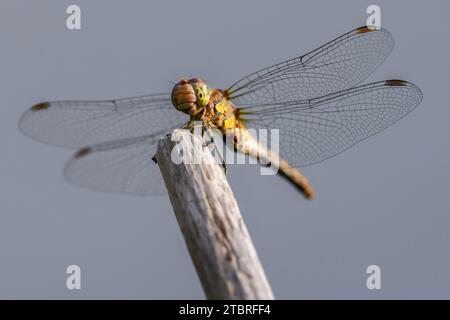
{"points": [[214, 231]]}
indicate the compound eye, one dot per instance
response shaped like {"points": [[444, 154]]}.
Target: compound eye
{"points": [[183, 96], [202, 96]]}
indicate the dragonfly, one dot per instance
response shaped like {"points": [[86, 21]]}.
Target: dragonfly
{"points": [[315, 100]]}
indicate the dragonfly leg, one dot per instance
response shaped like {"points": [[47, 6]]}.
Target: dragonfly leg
{"points": [[211, 142], [207, 143], [224, 167], [223, 162]]}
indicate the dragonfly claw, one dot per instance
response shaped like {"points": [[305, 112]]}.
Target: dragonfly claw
{"points": [[207, 143]]}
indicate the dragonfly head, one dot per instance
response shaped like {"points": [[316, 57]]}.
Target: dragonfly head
{"points": [[190, 96]]}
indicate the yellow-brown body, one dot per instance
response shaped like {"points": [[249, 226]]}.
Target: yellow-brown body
{"points": [[214, 110]]}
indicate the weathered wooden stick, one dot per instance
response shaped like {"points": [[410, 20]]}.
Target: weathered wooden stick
{"points": [[215, 233]]}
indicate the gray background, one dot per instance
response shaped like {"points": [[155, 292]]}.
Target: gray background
{"points": [[383, 202]]}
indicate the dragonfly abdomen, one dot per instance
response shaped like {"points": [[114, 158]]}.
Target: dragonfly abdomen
{"points": [[244, 142]]}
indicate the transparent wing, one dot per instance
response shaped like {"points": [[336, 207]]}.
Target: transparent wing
{"points": [[120, 166], [80, 123], [338, 65], [313, 130]]}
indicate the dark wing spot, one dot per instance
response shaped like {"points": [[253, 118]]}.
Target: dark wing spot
{"points": [[82, 152], [395, 83], [365, 29], [40, 106]]}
